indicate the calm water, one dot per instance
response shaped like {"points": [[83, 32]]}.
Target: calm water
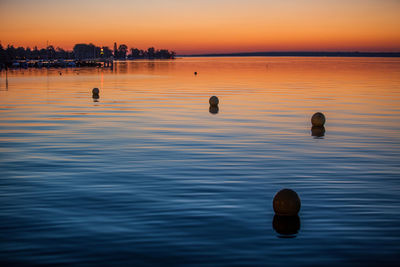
{"points": [[147, 175]]}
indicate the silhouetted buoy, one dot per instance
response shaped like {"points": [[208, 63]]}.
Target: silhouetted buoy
{"points": [[95, 92], [214, 100], [318, 119], [214, 109], [317, 131], [286, 226], [286, 203], [195, 73]]}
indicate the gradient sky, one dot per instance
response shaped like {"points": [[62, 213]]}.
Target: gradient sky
{"points": [[205, 26]]}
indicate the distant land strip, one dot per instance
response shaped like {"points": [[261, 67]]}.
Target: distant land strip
{"points": [[299, 54]]}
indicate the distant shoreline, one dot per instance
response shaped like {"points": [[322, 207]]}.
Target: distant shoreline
{"points": [[299, 54]]}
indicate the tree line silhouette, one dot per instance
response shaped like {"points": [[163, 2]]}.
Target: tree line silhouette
{"points": [[79, 52]]}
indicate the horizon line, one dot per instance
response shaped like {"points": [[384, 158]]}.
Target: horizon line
{"points": [[298, 53]]}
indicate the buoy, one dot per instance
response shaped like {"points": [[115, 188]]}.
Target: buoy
{"points": [[317, 131], [318, 119], [286, 203], [214, 101], [195, 73], [95, 91], [286, 226], [214, 109]]}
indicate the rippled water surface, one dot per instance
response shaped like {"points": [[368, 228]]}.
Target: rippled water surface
{"points": [[148, 174]]}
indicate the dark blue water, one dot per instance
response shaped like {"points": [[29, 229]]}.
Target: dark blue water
{"points": [[146, 175]]}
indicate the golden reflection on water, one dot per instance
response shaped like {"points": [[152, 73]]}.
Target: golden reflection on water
{"points": [[279, 91]]}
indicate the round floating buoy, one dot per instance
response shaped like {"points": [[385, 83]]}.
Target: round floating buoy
{"points": [[95, 93], [318, 119], [214, 101], [286, 203]]}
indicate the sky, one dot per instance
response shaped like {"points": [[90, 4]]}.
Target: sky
{"points": [[205, 26]]}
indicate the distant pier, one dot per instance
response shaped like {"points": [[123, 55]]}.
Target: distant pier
{"points": [[101, 63], [61, 63]]}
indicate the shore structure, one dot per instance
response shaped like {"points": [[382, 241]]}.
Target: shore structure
{"points": [[61, 63]]}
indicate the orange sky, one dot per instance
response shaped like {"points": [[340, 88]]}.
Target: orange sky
{"points": [[205, 26]]}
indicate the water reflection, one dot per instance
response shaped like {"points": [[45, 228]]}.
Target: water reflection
{"points": [[121, 67], [96, 97], [318, 132], [151, 65], [151, 174], [214, 109], [286, 226]]}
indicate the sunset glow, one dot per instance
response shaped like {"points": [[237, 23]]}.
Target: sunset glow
{"points": [[205, 26]]}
